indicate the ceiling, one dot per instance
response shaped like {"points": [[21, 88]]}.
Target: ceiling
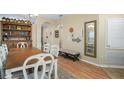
{"points": [[26, 16], [52, 16]]}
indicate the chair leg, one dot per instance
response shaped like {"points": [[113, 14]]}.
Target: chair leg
{"points": [[8, 75], [51, 70], [56, 69], [2, 73]]}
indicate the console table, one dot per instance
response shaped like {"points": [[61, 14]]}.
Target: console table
{"points": [[69, 54]]}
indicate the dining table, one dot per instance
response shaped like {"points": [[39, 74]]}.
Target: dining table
{"points": [[16, 58]]}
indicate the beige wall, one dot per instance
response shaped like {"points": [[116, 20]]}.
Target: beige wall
{"points": [[0, 32], [34, 35], [77, 22]]}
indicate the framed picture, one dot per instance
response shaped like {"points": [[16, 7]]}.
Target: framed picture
{"points": [[56, 33]]}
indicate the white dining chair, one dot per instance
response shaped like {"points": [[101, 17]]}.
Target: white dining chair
{"points": [[3, 54], [2, 61], [22, 45], [49, 67], [6, 48], [54, 50], [1, 68], [46, 48], [41, 62]]}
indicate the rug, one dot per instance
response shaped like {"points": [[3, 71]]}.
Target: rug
{"points": [[64, 75], [115, 73], [61, 75]]}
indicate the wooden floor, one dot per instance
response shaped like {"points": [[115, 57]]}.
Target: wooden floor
{"points": [[82, 70]]}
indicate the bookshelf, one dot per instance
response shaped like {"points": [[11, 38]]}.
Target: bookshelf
{"points": [[14, 31]]}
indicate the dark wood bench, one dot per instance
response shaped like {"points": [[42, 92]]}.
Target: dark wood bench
{"points": [[69, 54]]}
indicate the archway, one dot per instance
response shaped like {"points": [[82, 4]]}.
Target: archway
{"points": [[46, 33]]}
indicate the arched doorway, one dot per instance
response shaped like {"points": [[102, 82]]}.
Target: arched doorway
{"points": [[46, 34]]}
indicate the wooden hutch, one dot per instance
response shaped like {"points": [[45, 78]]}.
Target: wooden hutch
{"points": [[14, 31]]}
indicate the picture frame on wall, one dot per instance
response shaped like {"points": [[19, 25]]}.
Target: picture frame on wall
{"points": [[56, 33]]}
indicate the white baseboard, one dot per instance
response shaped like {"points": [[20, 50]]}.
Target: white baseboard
{"points": [[112, 66], [101, 65], [89, 62]]}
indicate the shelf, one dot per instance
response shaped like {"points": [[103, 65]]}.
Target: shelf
{"points": [[19, 36], [16, 30], [13, 33], [19, 24], [17, 41]]}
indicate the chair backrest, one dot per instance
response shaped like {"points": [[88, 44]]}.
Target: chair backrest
{"points": [[1, 69], [54, 50], [49, 65], [2, 61], [46, 47], [2, 54], [5, 47], [40, 62], [22, 45]]}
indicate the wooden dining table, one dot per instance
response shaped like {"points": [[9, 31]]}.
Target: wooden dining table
{"points": [[16, 58]]}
